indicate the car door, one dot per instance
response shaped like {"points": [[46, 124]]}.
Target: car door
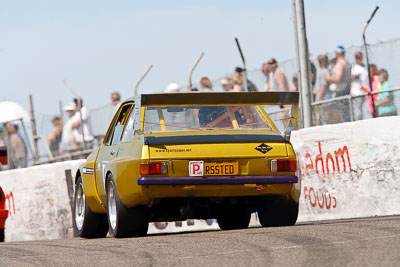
{"points": [[109, 149]]}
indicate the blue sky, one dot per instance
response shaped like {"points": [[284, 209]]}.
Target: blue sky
{"points": [[102, 46]]}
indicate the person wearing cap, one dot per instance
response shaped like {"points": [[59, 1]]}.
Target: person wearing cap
{"points": [[82, 123], [339, 81], [276, 78], [341, 74], [251, 87], [226, 84], [68, 140], [359, 79], [173, 88]]}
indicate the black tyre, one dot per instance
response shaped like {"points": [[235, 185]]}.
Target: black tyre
{"points": [[86, 223], [124, 222], [277, 212], [234, 218], [1, 235]]}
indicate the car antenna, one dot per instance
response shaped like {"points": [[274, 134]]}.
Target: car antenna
{"points": [[193, 68], [79, 103], [244, 65], [141, 78]]}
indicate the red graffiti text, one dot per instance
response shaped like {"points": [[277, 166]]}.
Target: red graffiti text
{"points": [[336, 162], [10, 204], [320, 198]]}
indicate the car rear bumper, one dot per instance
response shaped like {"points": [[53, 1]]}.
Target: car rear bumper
{"points": [[218, 180]]}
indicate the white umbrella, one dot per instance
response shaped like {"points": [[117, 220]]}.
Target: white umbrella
{"points": [[11, 111]]}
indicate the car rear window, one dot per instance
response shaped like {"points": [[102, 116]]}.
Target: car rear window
{"points": [[184, 118]]}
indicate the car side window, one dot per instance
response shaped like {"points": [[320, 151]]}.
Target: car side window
{"points": [[116, 132], [129, 132]]}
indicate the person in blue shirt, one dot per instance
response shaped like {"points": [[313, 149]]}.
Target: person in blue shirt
{"points": [[385, 101]]}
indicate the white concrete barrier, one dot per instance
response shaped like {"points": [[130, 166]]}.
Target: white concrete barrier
{"points": [[349, 170], [38, 202]]}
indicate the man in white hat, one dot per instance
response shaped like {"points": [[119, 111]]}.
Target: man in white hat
{"points": [[68, 141], [173, 88]]}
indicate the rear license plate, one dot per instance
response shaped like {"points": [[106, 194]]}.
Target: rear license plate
{"points": [[201, 168], [221, 168]]}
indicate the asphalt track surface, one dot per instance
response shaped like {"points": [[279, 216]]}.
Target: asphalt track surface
{"points": [[358, 242]]}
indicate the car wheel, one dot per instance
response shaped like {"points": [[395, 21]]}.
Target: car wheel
{"points": [[234, 218], [1, 235], [86, 223], [124, 222], [277, 212]]}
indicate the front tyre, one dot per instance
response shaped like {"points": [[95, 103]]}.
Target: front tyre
{"points": [[277, 212], [86, 223], [124, 222]]}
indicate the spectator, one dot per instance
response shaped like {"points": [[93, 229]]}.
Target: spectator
{"points": [[313, 74], [251, 87], [265, 70], [17, 148], [320, 90], [237, 82], [341, 73], [276, 78], [359, 79], [295, 83], [173, 88], [68, 140], [374, 74], [116, 99], [385, 101], [55, 136], [340, 84], [82, 122], [205, 85], [1, 136], [226, 84]]}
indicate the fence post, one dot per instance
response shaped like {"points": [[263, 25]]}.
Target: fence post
{"points": [[351, 108], [303, 60]]}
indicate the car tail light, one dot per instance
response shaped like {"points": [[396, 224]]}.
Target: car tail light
{"points": [[148, 168], [283, 165]]}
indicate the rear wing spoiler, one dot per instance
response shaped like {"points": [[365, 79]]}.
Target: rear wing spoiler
{"points": [[220, 98], [223, 98]]}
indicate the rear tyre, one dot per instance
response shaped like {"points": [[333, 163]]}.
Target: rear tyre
{"points": [[277, 212], [124, 222], [234, 218], [86, 223]]}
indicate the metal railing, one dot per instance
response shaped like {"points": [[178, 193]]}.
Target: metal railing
{"points": [[336, 110]]}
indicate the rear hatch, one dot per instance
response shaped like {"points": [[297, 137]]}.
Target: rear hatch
{"points": [[220, 152]]}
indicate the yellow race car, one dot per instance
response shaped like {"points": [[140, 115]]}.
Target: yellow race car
{"points": [[172, 157]]}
